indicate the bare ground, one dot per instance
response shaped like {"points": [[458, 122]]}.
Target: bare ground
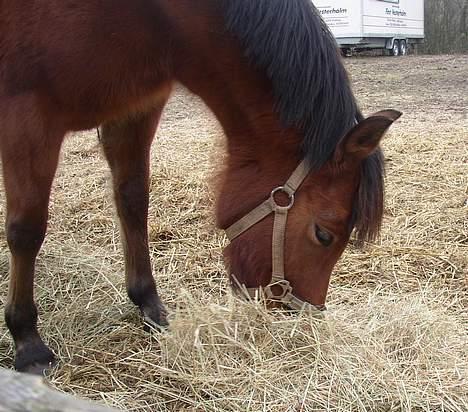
{"points": [[395, 335]]}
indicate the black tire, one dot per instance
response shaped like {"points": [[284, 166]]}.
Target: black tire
{"points": [[395, 50], [403, 48], [347, 52]]}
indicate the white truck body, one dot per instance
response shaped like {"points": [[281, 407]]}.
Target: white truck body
{"points": [[373, 23]]}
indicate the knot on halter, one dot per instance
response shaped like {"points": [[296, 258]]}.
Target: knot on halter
{"points": [[278, 282]]}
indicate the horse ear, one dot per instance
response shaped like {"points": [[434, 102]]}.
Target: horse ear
{"points": [[364, 138]]}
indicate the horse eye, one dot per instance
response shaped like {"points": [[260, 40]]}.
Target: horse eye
{"points": [[324, 237]]}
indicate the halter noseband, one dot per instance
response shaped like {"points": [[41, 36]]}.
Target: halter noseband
{"points": [[270, 205]]}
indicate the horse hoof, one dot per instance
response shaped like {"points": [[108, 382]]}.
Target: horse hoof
{"points": [[39, 369], [149, 325], [35, 359], [155, 318]]}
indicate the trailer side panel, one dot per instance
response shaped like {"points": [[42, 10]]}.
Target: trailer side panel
{"points": [[393, 18], [344, 17]]}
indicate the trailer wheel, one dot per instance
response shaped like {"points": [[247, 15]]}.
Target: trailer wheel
{"points": [[403, 48], [347, 52], [395, 48]]}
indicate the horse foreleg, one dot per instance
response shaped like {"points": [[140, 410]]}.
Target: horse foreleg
{"points": [[30, 153], [127, 146]]}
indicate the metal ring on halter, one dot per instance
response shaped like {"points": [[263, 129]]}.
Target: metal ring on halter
{"points": [[286, 289], [290, 197]]}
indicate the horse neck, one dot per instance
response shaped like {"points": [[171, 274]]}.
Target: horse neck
{"points": [[261, 152], [261, 157]]}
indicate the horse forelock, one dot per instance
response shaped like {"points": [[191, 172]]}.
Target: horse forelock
{"points": [[368, 206]]}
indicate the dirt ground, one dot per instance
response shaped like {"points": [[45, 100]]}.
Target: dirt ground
{"points": [[416, 272]]}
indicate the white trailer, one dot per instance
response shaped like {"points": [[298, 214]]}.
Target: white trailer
{"points": [[392, 25]]}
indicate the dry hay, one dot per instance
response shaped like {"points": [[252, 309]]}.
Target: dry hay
{"points": [[394, 337]]}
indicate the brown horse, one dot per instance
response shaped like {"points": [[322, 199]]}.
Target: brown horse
{"points": [[270, 72]]}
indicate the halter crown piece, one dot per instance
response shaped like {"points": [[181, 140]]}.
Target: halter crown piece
{"points": [[278, 280]]}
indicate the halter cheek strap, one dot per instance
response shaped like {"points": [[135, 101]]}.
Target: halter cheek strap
{"points": [[278, 280]]}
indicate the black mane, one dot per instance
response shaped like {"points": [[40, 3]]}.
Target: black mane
{"points": [[289, 40]]}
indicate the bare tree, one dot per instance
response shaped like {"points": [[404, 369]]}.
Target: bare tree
{"points": [[446, 26]]}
